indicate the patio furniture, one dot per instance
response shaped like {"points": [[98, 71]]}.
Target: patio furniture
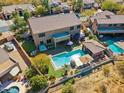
{"points": [[42, 47], [8, 46]]}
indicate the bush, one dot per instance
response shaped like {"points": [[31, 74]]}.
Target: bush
{"points": [[68, 88], [30, 72], [120, 68], [38, 82], [106, 71], [110, 5], [0, 34]]}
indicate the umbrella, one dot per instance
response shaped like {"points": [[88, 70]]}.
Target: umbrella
{"points": [[70, 43]]}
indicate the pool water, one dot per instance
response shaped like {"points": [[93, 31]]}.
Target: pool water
{"points": [[114, 48], [11, 90], [65, 58]]}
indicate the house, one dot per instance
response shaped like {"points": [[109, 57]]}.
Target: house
{"points": [[108, 23], [9, 68], [54, 29], [94, 48], [88, 4], [8, 10]]}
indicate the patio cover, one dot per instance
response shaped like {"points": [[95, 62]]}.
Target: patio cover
{"points": [[42, 47], [14, 71]]}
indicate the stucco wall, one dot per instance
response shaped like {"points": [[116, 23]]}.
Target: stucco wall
{"points": [[48, 35]]}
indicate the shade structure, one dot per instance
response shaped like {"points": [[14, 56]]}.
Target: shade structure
{"points": [[70, 43]]}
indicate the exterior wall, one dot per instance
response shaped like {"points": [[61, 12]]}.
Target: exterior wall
{"points": [[48, 35], [95, 27]]}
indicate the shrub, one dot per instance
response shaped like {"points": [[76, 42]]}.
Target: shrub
{"points": [[38, 82]]}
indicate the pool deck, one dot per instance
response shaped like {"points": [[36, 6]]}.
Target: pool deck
{"points": [[22, 88], [120, 44]]}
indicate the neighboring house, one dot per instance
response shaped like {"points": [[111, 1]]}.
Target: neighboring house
{"points": [[88, 3], [64, 7], [8, 67], [8, 10], [54, 29], [94, 48], [108, 23]]}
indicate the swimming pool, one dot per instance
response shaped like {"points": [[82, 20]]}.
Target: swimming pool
{"points": [[11, 90], [114, 48], [65, 58]]}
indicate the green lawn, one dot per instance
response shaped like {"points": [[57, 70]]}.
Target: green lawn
{"points": [[28, 46], [44, 58]]}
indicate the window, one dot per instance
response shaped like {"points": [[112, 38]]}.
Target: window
{"points": [[42, 35], [110, 24], [122, 24], [49, 41], [115, 24], [78, 26], [71, 28]]}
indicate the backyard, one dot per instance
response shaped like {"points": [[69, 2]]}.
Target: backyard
{"points": [[57, 73], [98, 82]]}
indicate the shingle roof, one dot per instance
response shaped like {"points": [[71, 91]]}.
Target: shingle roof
{"points": [[11, 8], [94, 46], [114, 19], [101, 15], [50, 23]]}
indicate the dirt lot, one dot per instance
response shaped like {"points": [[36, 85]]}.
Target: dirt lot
{"points": [[93, 83]]}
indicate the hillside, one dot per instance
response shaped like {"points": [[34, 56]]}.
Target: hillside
{"points": [[99, 83]]}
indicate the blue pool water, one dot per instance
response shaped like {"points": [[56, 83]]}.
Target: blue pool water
{"points": [[114, 48], [57, 35], [103, 29], [11, 90], [64, 58]]}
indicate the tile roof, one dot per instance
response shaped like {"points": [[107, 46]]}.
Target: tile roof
{"points": [[11, 8], [54, 22]]}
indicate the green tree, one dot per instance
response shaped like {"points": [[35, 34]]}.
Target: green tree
{"points": [[65, 68], [19, 26], [38, 82], [30, 72], [68, 88], [27, 14], [77, 5], [42, 62], [56, 9], [52, 78], [41, 10], [110, 5]]}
